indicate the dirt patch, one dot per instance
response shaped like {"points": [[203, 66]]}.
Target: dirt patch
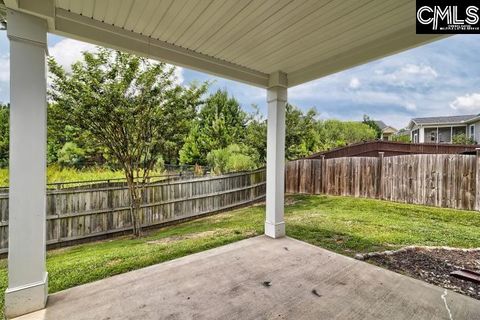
{"points": [[114, 262], [204, 234], [289, 200], [433, 265]]}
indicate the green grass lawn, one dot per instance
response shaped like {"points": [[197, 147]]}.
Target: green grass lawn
{"points": [[342, 224]]}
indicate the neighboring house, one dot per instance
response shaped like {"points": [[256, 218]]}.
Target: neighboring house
{"points": [[443, 129], [387, 131]]}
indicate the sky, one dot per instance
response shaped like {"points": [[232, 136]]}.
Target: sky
{"points": [[441, 78]]}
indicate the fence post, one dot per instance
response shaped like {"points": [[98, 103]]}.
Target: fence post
{"points": [[317, 176], [477, 180], [380, 175], [110, 206], [323, 175]]}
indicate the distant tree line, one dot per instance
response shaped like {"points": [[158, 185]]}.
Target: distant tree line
{"points": [[124, 112], [113, 102]]}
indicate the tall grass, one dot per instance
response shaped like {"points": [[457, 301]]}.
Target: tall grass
{"points": [[57, 174]]}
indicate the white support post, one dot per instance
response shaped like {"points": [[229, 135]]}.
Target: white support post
{"points": [[421, 135], [277, 99], [27, 276]]}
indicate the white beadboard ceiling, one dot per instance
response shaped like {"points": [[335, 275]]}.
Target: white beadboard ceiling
{"points": [[245, 40]]}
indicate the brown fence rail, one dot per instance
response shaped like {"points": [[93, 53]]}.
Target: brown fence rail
{"points": [[441, 180], [74, 214], [394, 148]]}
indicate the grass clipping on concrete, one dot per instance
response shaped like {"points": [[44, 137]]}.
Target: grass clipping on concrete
{"points": [[341, 224]]}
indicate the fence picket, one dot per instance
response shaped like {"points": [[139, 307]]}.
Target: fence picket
{"points": [[441, 180], [78, 213]]}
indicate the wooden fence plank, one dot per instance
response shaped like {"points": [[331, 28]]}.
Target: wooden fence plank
{"points": [[431, 179], [74, 214]]}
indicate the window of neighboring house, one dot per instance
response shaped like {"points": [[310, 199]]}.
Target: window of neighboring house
{"points": [[415, 138], [472, 131]]}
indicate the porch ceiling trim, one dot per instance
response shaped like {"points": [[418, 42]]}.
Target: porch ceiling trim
{"points": [[303, 65]]}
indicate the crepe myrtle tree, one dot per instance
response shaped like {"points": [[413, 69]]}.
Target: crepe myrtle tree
{"points": [[128, 105]]}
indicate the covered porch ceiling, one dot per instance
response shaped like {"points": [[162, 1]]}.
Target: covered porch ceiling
{"points": [[243, 40]]}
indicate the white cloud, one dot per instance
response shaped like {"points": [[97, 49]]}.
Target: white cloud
{"points": [[354, 83], [68, 51], [409, 74], [419, 70], [4, 68], [179, 75], [410, 106], [467, 103]]}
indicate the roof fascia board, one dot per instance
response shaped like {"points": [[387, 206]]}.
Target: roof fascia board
{"points": [[40, 8], [474, 119]]}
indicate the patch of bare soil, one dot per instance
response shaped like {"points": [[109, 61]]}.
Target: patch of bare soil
{"points": [[289, 200], [114, 262], [198, 235], [186, 237], [434, 265]]}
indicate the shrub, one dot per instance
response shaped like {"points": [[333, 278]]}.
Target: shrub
{"points": [[71, 155], [401, 138], [232, 158], [462, 139]]}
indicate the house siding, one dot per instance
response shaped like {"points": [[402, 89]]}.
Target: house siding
{"points": [[444, 131], [477, 131]]}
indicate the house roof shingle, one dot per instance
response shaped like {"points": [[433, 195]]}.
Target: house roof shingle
{"points": [[380, 124], [445, 119]]}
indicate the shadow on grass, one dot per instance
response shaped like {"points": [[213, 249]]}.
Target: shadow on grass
{"points": [[344, 243]]}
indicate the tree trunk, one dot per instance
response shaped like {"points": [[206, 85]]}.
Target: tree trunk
{"points": [[135, 199]]}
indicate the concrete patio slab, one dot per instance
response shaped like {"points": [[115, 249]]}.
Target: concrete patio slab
{"points": [[260, 278]]}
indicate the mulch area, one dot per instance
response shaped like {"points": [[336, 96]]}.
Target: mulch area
{"points": [[434, 266]]}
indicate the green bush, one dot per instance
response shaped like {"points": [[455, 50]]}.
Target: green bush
{"points": [[401, 138], [462, 139], [232, 158], [71, 155]]}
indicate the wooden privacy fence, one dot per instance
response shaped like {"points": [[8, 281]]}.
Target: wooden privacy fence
{"points": [[440, 180], [74, 214]]}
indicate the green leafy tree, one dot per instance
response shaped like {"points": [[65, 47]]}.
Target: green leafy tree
{"points": [[221, 122], [306, 134], [302, 136], [63, 132], [123, 102], [256, 134], [4, 135], [336, 133], [372, 124]]}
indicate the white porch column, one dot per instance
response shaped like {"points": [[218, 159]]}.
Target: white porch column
{"points": [[421, 135], [277, 99], [27, 276]]}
